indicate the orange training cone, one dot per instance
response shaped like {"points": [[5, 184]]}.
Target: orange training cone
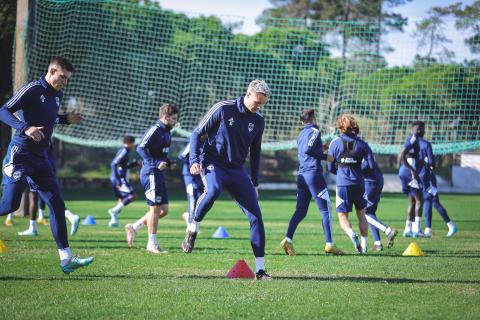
{"points": [[3, 247], [413, 250], [241, 270]]}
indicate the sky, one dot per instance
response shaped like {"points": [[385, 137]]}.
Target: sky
{"points": [[405, 46]]}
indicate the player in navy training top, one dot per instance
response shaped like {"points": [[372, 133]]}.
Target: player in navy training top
{"points": [[153, 149], [347, 152], [232, 128], [373, 189], [36, 106], [410, 167], [119, 179], [430, 193], [310, 183], [193, 184]]}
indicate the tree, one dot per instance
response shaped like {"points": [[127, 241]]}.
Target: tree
{"points": [[430, 33]]}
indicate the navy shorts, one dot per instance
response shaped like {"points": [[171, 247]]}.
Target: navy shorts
{"points": [[373, 191], [347, 196], [155, 188], [121, 189]]}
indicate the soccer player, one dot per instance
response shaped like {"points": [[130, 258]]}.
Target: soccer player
{"points": [[119, 179], [310, 183], [193, 184], [346, 154], [233, 128], [373, 190], [411, 165], [37, 105], [430, 191], [154, 149]]}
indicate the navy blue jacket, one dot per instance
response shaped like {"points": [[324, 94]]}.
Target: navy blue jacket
{"points": [[370, 169], [426, 155], [154, 147], [36, 104], [232, 131], [120, 165], [347, 175], [310, 149], [412, 145]]}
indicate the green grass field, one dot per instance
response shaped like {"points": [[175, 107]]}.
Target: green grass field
{"points": [[129, 283]]}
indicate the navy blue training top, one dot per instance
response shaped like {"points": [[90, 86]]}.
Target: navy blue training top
{"points": [[370, 169], [154, 147], [310, 149], [412, 145], [232, 131], [426, 155], [347, 175], [120, 165], [35, 104]]}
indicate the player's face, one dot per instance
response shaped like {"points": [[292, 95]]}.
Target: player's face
{"points": [[254, 101], [172, 120], [58, 77]]}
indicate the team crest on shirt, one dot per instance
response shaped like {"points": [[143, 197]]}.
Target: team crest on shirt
{"points": [[57, 99], [158, 199], [231, 121], [17, 175], [250, 127], [42, 98], [210, 167]]}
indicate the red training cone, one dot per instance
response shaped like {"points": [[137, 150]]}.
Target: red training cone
{"points": [[241, 270]]}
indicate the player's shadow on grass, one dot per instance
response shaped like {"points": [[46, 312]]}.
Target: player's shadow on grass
{"points": [[348, 279]]}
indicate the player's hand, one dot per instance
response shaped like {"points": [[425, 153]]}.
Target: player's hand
{"points": [[74, 117], [162, 166], [35, 133], [195, 169], [414, 175], [330, 158]]}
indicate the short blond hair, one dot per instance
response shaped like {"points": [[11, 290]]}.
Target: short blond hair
{"points": [[260, 86]]}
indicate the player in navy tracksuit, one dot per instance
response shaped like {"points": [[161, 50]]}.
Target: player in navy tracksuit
{"points": [[153, 149], [232, 128], [373, 189], [410, 167], [310, 183], [346, 154], [430, 193], [193, 184], [119, 179], [36, 106]]}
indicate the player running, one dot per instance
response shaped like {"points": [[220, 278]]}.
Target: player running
{"points": [[347, 152], [37, 105], [310, 183], [233, 128], [154, 149], [119, 179]]}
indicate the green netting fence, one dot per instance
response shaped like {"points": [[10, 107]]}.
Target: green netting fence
{"points": [[130, 59]]}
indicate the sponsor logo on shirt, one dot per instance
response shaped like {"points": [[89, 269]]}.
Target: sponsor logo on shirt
{"points": [[231, 121], [42, 98], [57, 99], [250, 127]]}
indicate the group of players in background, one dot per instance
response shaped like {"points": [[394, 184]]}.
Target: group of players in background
{"points": [[229, 132]]}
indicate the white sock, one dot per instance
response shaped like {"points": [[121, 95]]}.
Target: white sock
{"points": [[40, 214], [33, 225], [9, 216], [349, 232], [388, 230], [450, 225], [363, 242], [69, 215], [137, 225], [118, 208], [428, 230], [329, 244], [194, 226], [288, 240], [259, 263], [65, 255], [416, 224], [152, 239], [377, 243], [408, 226]]}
